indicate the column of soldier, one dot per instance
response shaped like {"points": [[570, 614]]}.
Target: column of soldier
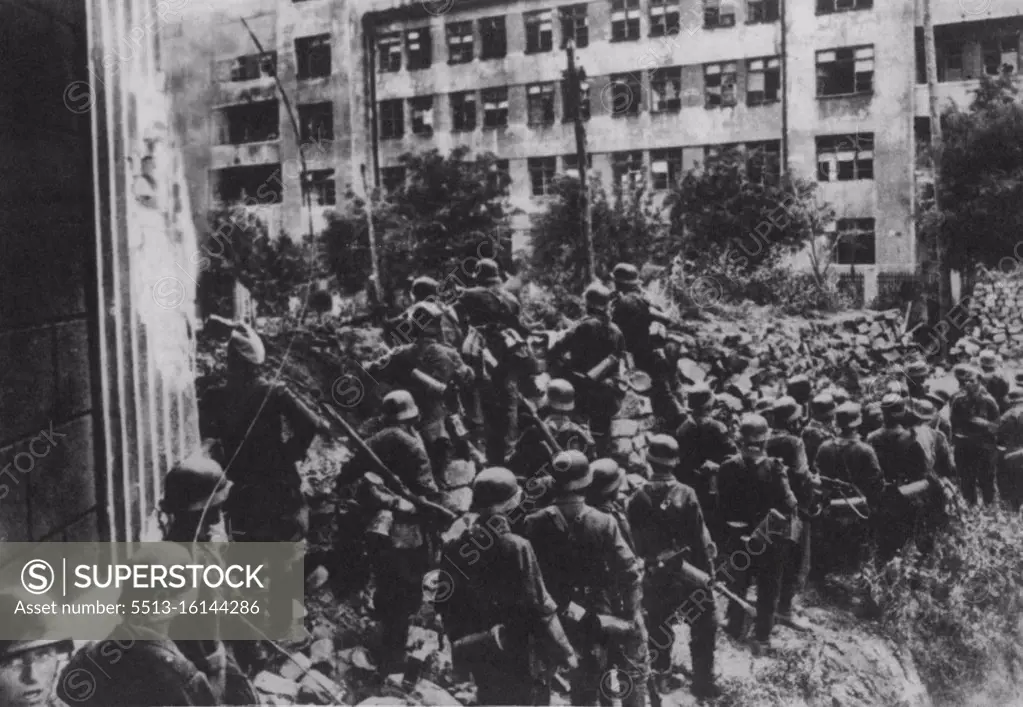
{"points": [[567, 572]]}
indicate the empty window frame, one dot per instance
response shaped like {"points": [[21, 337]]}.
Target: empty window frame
{"points": [[421, 113], [460, 49], [495, 107], [763, 81], [666, 90], [950, 61], [664, 18], [574, 25], [316, 121], [539, 31], [842, 158], [828, 7], [718, 13], [719, 85], [250, 122], [541, 174], [312, 56], [626, 95], [494, 36], [419, 47], [855, 241], [254, 66], [624, 20], [763, 161], [1000, 54], [583, 102], [627, 169], [500, 176], [761, 11], [463, 111], [389, 50], [392, 119], [540, 103], [570, 165], [665, 168], [845, 71], [320, 185]]}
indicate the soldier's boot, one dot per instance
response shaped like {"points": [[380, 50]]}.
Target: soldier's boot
{"points": [[704, 685], [601, 443]]}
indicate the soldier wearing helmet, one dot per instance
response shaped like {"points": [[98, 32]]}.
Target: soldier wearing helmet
{"points": [[403, 553], [1010, 445], [591, 354], [665, 515], [500, 608], [704, 442], [974, 417], [496, 347], [426, 296], [636, 317], [29, 667], [588, 567], [820, 428], [750, 486], [247, 418]]}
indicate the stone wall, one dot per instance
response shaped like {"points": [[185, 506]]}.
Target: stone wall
{"points": [[997, 309]]}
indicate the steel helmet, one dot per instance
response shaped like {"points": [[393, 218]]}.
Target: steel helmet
{"points": [[495, 490], [561, 395], [571, 470], [754, 428], [700, 397], [625, 274], [823, 406], [400, 406], [662, 451], [488, 272], [597, 296], [608, 477], [799, 388], [424, 287], [194, 484]]}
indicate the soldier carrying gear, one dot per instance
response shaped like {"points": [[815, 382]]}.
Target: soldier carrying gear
{"points": [[435, 374], [29, 668], [819, 429], [496, 348], [917, 373], [921, 415], [872, 419], [750, 486], [784, 444], [426, 290], [666, 518], [248, 416], [635, 316], [500, 617], [974, 417], [406, 536], [588, 567], [800, 389], [704, 443], [595, 348], [1010, 445]]}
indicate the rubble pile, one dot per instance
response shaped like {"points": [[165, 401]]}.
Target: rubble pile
{"points": [[996, 307]]}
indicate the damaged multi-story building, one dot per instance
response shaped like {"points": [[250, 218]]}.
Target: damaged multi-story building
{"points": [[834, 90]]}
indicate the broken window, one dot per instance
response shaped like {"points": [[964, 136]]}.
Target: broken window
{"points": [[763, 161], [842, 158], [763, 81], [626, 93], [459, 42], [541, 174], [316, 121], [718, 13], [393, 178], [253, 185], [254, 66], [761, 11], [419, 46], [421, 108], [540, 103], [854, 244], [574, 25], [713, 152], [627, 169], [624, 20], [570, 165], [827, 7], [389, 46], [583, 103], [950, 61], [666, 90], [320, 185], [664, 18], [539, 31], [1000, 54], [500, 177], [845, 71], [392, 119], [495, 38], [665, 167], [252, 122], [312, 55], [719, 85], [463, 111], [495, 107]]}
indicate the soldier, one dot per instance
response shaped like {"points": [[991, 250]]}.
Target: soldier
{"points": [[873, 419], [405, 546], [704, 443], [498, 589], [1010, 444], [585, 562], [138, 664], [496, 346], [29, 667], [247, 417], [750, 486], [922, 415], [635, 316], [800, 389], [194, 492], [665, 516], [917, 373], [820, 428], [594, 343], [993, 379], [784, 444], [426, 290], [974, 416], [436, 392]]}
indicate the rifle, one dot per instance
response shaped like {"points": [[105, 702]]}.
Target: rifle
{"points": [[549, 441], [693, 575], [851, 496]]}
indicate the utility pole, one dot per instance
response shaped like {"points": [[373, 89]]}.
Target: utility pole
{"points": [[374, 278], [784, 87], [574, 80]]}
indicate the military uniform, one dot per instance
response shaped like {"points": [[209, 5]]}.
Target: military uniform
{"points": [[1010, 440], [531, 453], [704, 443], [975, 452]]}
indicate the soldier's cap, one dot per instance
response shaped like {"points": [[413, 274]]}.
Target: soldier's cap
{"points": [[662, 451], [608, 478], [700, 397], [848, 416], [893, 404], [193, 484], [786, 409], [936, 400], [30, 626], [561, 395], [754, 428], [921, 410], [965, 371], [246, 343], [943, 395], [571, 470], [918, 369], [495, 490], [823, 406], [764, 405], [1015, 396], [625, 274]]}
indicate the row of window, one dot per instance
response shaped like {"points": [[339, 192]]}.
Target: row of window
{"points": [[312, 60], [998, 54], [260, 122], [414, 47]]}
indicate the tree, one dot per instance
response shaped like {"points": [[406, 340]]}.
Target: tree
{"points": [[627, 226], [449, 212]]}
